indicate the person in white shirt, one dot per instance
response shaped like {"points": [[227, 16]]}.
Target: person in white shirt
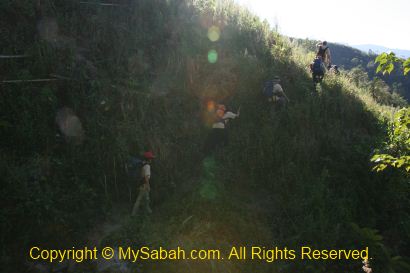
{"points": [[144, 189], [218, 136]]}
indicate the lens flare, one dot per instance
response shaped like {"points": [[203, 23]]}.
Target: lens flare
{"points": [[210, 106], [209, 185], [214, 33], [208, 113], [208, 190], [212, 56]]}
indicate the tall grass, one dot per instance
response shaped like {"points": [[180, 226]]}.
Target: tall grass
{"points": [[141, 79]]}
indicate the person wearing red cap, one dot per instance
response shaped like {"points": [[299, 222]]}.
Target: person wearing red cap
{"points": [[144, 189]]}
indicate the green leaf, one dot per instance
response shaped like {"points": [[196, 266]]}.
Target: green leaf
{"points": [[375, 158], [381, 57], [398, 163], [407, 63], [381, 167], [383, 61], [378, 58], [389, 68], [406, 70]]}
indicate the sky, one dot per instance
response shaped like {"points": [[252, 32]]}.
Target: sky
{"points": [[353, 22]]}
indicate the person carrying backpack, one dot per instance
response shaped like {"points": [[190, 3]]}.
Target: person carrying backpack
{"points": [[324, 52], [144, 179], [275, 94], [218, 136], [317, 68]]}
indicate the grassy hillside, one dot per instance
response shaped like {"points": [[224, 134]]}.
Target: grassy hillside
{"points": [[139, 75]]}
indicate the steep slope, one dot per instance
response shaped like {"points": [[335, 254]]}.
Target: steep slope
{"points": [[139, 75]]}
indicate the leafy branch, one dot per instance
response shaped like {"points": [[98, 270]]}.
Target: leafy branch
{"points": [[384, 160], [387, 62]]}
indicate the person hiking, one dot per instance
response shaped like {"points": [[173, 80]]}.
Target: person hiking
{"points": [[274, 92], [324, 51], [317, 68], [144, 189], [218, 136]]}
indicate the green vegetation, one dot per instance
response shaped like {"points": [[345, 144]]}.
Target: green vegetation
{"points": [[137, 76], [388, 60], [397, 151]]}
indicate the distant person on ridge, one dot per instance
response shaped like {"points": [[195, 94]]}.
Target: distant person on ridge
{"points": [[275, 94], [144, 189], [318, 69], [218, 136], [324, 52], [334, 69]]}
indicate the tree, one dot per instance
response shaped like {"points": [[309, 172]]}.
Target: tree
{"points": [[397, 150], [359, 76]]}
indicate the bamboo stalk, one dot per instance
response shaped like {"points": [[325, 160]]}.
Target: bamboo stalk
{"points": [[101, 4], [12, 56], [60, 77], [105, 186], [115, 179], [35, 80]]}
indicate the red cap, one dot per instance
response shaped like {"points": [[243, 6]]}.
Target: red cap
{"points": [[149, 155]]}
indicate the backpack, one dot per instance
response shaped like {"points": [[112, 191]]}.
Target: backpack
{"points": [[268, 89], [317, 66], [134, 167], [321, 52]]}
